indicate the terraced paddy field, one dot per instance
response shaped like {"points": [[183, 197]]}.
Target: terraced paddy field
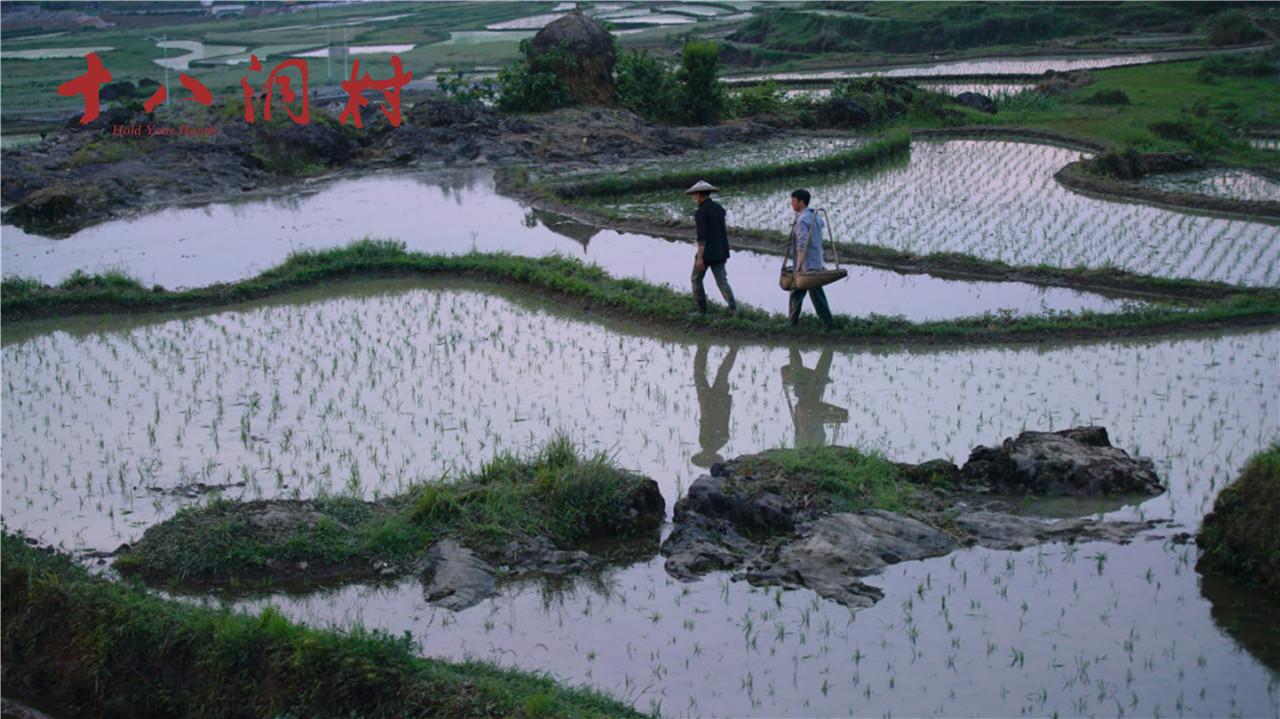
{"points": [[999, 200], [226, 242], [1017, 66], [113, 423], [1234, 183], [370, 388]]}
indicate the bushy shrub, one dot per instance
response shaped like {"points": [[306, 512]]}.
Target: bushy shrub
{"points": [[1029, 100], [646, 86], [1236, 66], [1234, 27], [702, 96], [1107, 97], [1125, 165], [457, 88], [533, 84], [756, 100]]}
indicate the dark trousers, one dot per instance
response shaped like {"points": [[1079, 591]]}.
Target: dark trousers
{"points": [[820, 306], [722, 281]]}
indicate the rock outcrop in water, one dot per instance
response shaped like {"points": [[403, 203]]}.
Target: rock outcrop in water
{"points": [[1074, 462], [770, 519], [515, 517]]}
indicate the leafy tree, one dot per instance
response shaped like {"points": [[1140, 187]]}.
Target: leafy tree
{"points": [[702, 96], [646, 86]]}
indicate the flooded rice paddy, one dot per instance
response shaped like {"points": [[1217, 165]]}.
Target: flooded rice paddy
{"points": [[999, 200], [50, 53], [113, 423], [188, 247], [358, 50], [1234, 183], [195, 51], [778, 150], [368, 388], [984, 66], [475, 37], [990, 89]]}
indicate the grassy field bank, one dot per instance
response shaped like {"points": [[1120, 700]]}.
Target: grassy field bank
{"points": [[100, 648], [597, 292]]}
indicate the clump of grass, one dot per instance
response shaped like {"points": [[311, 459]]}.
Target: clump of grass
{"points": [[110, 280], [1107, 97], [104, 152], [847, 478], [556, 492], [94, 646], [1240, 536]]}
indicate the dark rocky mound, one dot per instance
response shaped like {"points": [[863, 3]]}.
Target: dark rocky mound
{"points": [[1060, 83], [1074, 462], [1241, 536], [82, 176], [266, 542], [779, 526], [865, 100], [977, 101], [590, 76]]}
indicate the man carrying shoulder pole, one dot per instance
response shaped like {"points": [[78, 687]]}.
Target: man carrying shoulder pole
{"points": [[713, 246], [806, 241]]}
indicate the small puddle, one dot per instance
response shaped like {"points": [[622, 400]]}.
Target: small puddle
{"points": [[190, 247]]}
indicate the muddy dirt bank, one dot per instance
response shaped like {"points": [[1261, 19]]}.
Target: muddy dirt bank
{"points": [[82, 176]]}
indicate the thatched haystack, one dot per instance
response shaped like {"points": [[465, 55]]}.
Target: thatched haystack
{"points": [[591, 46]]}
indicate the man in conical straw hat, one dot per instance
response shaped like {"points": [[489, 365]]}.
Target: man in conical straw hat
{"points": [[713, 245]]}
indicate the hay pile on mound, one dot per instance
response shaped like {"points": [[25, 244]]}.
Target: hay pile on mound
{"points": [[590, 76]]}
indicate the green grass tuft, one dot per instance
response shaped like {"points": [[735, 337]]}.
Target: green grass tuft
{"points": [[850, 479]]}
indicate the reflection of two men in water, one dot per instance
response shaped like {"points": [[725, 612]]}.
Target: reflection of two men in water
{"points": [[809, 413]]}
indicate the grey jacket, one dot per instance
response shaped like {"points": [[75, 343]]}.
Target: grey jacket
{"points": [[802, 238]]}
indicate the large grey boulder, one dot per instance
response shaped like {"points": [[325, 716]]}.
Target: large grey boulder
{"points": [[1076, 462], [454, 577], [977, 101], [833, 553]]}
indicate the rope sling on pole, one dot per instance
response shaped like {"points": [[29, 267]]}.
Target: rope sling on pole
{"points": [[794, 278]]}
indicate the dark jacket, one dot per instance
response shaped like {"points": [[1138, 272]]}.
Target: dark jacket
{"points": [[711, 232]]}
